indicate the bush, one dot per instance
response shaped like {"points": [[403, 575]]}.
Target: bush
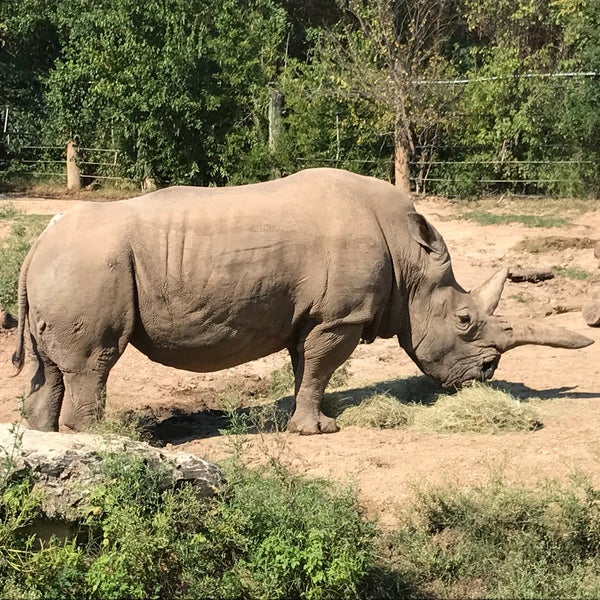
{"points": [[502, 541], [267, 535]]}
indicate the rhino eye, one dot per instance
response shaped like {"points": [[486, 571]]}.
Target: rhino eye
{"points": [[464, 320]]}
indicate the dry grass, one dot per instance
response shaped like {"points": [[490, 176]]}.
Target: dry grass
{"points": [[477, 408], [380, 411]]}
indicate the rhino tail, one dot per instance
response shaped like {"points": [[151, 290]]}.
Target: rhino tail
{"points": [[18, 357]]}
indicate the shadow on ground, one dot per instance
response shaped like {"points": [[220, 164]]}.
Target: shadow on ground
{"points": [[180, 426]]}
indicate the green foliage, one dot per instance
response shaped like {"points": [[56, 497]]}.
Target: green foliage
{"points": [[13, 250], [8, 211], [269, 534], [181, 89], [502, 541]]}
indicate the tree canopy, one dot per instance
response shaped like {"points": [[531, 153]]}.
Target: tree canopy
{"points": [[447, 96]]}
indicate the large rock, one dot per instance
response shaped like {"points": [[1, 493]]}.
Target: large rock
{"points": [[67, 467]]}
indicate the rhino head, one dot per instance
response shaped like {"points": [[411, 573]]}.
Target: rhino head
{"points": [[453, 335]]}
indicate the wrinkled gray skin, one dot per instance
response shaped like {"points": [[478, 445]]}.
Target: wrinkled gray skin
{"points": [[204, 279]]}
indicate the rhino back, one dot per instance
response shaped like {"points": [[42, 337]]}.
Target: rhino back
{"points": [[232, 273]]}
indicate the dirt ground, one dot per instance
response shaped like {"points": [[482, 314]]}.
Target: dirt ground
{"points": [[387, 465]]}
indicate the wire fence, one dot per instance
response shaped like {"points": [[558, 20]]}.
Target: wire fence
{"points": [[436, 176], [50, 162]]}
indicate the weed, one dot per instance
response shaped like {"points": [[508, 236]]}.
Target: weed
{"points": [[269, 534], [520, 297], [8, 211], [571, 273], [281, 381]]}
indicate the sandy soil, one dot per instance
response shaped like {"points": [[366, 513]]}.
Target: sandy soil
{"points": [[387, 465]]}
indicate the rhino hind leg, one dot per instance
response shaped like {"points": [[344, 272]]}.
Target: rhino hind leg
{"points": [[315, 358], [43, 404], [85, 399]]}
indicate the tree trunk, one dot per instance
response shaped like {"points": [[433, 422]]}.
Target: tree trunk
{"points": [[401, 166]]}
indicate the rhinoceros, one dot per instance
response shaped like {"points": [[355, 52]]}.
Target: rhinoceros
{"points": [[203, 279]]}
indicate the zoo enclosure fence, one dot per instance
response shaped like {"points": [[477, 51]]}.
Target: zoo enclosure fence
{"points": [[435, 176], [50, 162]]}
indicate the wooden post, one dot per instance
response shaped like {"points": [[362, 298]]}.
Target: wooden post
{"points": [[401, 171], [73, 173], [275, 116]]}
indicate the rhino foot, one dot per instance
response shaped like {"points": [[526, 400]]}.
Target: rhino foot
{"points": [[312, 426]]}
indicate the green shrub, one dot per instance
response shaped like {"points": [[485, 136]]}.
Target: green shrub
{"points": [[269, 534], [502, 541]]}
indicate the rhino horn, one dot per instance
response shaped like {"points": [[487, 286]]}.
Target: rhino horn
{"points": [[521, 332], [488, 294]]}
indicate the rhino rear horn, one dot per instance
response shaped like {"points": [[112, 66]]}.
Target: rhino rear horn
{"points": [[488, 294], [520, 333]]}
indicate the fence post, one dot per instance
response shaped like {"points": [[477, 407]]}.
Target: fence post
{"points": [[275, 116], [73, 173]]}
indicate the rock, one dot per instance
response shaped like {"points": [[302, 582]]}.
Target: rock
{"points": [[67, 467], [7, 321], [590, 312]]}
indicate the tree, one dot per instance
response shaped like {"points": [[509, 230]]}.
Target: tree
{"points": [[389, 53]]}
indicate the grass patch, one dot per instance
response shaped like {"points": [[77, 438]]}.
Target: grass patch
{"points": [[8, 211], [486, 218], [417, 403], [521, 298], [571, 273], [13, 249], [501, 541]]}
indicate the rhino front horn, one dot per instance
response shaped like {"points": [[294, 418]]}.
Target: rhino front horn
{"points": [[488, 294], [520, 333]]}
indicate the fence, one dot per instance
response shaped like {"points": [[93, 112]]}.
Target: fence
{"points": [[435, 176], [52, 162]]}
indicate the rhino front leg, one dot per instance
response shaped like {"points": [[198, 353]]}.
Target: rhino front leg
{"points": [[43, 404], [318, 355]]}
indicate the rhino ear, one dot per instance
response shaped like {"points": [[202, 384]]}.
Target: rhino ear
{"points": [[488, 294], [425, 234]]}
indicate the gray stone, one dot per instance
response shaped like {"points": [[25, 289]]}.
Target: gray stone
{"points": [[67, 467]]}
